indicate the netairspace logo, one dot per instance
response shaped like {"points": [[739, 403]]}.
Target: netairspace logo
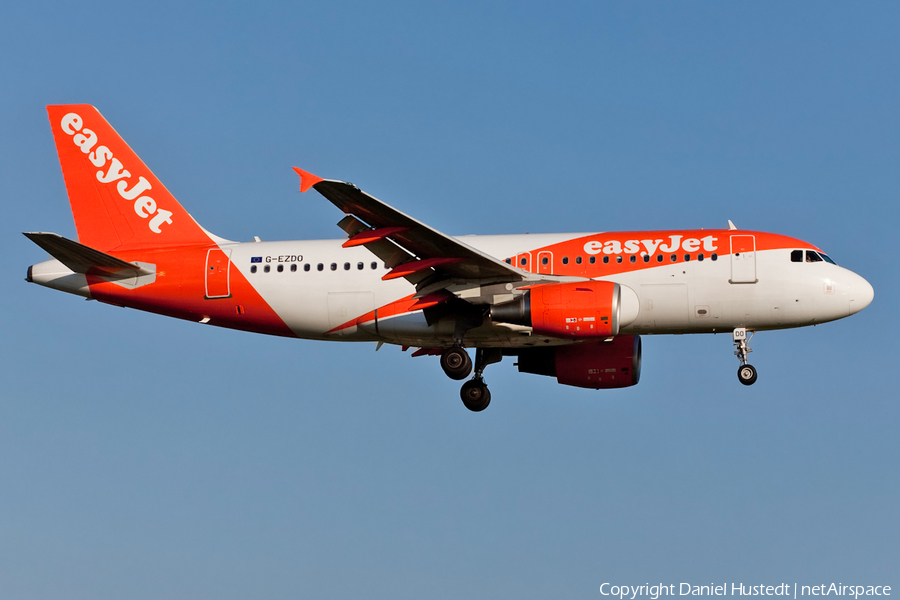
{"points": [[654, 592]]}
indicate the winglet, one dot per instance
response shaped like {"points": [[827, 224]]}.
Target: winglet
{"points": [[307, 180], [731, 225]]}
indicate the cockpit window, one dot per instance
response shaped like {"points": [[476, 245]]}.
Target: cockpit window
{"points": [[811, 256]]}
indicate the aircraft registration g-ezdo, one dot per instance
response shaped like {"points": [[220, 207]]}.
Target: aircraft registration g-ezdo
{"points": [[572, 306]]}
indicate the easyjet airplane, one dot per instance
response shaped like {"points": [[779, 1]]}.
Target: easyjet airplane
{"points": [[571, 306]]}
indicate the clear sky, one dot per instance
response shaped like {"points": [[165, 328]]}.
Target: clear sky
{"points": [[143, 457]]}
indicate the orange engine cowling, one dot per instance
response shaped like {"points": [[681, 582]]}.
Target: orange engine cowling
{"points": [[596, 365], [580, 310]]}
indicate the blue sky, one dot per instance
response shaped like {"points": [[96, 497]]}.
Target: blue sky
{"points": [[142, 457]]}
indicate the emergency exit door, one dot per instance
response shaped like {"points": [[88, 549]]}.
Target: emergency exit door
{"points": [[218, 273]]}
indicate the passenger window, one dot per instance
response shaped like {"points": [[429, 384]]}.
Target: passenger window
{"points": [[632, 258], [544, 260], [673, 258], [320, 266], [523, 261], [294, 268], [659, 258], [334, 266], [619, 258], [699, 257], [714, 256], [360, 266], [509, 261], [374, 265], [280, 268], [687, 257], [646, 258], [577, 260], [605, 259], [267, 268], [812, 256], [306, 267], [797, 256], [565, 260], [346, 266], [593, 259], [253, 269]]}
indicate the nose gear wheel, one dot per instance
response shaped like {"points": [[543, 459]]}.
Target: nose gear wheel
{"points": [[747, 374]]}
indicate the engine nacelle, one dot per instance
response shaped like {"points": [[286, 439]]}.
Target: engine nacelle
{"points": [[595, 365], [580, 310]]}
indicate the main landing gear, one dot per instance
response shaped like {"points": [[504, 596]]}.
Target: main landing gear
{"points": [[746, 372], [457, 365], [475, 394]]}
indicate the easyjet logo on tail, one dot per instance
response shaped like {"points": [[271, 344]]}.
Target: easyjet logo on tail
{"points": [[144, 206]]}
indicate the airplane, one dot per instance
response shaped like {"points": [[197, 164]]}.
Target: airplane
{"points": [[571, 306]]}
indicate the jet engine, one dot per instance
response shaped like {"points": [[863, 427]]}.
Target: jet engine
{"points": [[580, 310], [594, 364]]}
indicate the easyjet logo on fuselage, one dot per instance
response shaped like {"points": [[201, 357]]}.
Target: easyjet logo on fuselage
{"points": [[144, 206], [675, 242]]}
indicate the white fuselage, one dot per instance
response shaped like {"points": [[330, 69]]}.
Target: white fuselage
{"points": [[686, 297]]}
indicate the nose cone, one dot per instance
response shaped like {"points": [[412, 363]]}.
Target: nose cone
{"points": [[861, 294]]}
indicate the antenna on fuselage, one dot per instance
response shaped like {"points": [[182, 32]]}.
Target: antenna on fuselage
{"points": [[731, 225]]}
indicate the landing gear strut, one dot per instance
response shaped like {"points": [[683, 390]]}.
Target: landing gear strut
{"points": [[456, 363], [474, 393], [746, 372]]}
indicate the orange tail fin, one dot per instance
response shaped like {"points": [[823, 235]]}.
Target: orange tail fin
{"points": [[117, 202]]}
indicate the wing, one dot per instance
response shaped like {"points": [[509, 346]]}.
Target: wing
{"points": [[412, 249]]}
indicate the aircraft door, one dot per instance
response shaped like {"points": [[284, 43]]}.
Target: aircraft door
{"points": [[545, 262], [218, 273], [743, 259]]}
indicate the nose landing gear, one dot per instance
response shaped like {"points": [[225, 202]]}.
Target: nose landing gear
{"points": [[746, 372]]}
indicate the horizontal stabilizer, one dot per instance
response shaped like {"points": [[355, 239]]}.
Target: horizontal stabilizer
{"points": [[81, 258]]}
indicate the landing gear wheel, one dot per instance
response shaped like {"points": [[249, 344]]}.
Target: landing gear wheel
{"points": [[747, 374], [475, 395], [456, 363]]}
